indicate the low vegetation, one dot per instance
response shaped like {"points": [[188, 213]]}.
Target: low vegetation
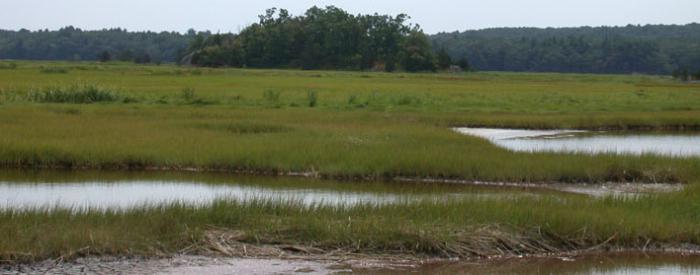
{"points": [[77, 93], [53, 70], [8, 66], [453, 228], [342, 125], [337, 124]]}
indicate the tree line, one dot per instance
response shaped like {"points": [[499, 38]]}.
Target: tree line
{"points": [[331, 38], [651, 49], [72, 43], [321, 38]]}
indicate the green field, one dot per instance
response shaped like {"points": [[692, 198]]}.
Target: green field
{"points": [[336, 124], [349, 125]]}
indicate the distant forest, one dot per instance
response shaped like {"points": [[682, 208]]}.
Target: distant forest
{"points": [[330, 38], [653, 49], [71, 43]]}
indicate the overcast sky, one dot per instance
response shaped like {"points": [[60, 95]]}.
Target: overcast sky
{"points": [[434, 15]]}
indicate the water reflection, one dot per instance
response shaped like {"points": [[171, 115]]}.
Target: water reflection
{"points": [[115, 190], [604, 264], [666, 144]]}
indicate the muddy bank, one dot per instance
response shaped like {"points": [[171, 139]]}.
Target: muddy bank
{"points": [[176, 265], [599, 262]]}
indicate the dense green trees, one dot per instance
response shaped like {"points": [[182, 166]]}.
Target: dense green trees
{"points": [[71, 43], [686, 75], [322, 38], [104, 56], [416, 53], [443, 59], [331, 38], [655, 49]]}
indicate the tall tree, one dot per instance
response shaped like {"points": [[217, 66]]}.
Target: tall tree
{"points": [[321, 38], [104, 56], [464, 63], [443, 59], [417, 54]]}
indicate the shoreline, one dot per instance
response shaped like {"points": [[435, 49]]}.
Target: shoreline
{"points": [[306, 263], [313, 175]]}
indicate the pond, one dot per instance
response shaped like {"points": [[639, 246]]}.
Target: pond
{"points": [[123, 190], [603, 264], [672, 144]]}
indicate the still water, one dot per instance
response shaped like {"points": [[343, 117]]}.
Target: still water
{"points": [[572, 141], [123, 190], [602, 264]]}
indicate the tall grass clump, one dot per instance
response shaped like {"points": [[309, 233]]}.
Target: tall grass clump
{"points": [[245, 127], [53, 70], [312, 98], [10, 94], [188, 94], [76, 94], [8, 66], [407, 100], [272, 97]]}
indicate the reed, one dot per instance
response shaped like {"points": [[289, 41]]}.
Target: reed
{"points": [[453, 228], [351, 126], [75, 94], [329, 143]]}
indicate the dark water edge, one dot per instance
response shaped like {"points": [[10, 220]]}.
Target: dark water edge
{"points": [[602, 263]]}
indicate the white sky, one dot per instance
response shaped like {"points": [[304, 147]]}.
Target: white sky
{"points": [[434, 16]]}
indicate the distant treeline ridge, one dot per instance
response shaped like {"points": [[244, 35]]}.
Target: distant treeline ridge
{"points": [[331, 38]]}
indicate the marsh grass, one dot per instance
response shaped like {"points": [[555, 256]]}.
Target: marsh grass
{"points": [[408, 100], [8, 66], [369, 125], [335, 144], [76, 94], [190, 97], [247, 127], [312, 98], [273, 97], [53, 70], [454, 228], [188, 94]]}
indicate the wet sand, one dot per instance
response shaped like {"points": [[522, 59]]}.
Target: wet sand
{"points": [[184, 265]]}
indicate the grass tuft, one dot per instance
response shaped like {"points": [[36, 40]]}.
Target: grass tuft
{"points": [[312, 98], [76, 94], [8, 66], [53, 70], [246, 127]]}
